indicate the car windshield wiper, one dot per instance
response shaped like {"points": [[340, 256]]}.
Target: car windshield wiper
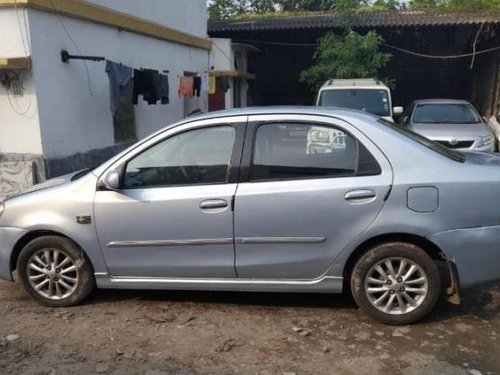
{"points": [[455, 122]]}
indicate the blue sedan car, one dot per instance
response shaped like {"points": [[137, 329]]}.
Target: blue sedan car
{"points": [[284, 199]]}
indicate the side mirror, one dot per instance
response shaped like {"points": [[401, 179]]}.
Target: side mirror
{"points": [[485, 120], [397, 111], [111, 180]]}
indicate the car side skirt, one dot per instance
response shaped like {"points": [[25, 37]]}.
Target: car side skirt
{"points": [[324, 284]]}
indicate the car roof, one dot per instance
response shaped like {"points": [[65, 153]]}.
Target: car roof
{"points": [[353, 83], [347, 114], [440, 101]]}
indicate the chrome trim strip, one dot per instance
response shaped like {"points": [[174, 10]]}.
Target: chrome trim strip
{"points": [[166, 280], [278, 240], [218, 241], [205, 241]]}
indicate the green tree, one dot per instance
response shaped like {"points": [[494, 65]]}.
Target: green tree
{"points": [[222, 9], [350, 55], [311, 5], [263, 6], [388, 4], [464, 5]]}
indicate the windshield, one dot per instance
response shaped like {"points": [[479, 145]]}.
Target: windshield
{"points": [[445, 113], [375, 101], [434, 146]]}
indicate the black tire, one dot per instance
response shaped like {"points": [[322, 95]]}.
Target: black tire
{"points": [[394, 252], [84, 272]]}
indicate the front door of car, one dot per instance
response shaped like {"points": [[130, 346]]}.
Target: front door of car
{"points": [[172, 215], [312, 185]]}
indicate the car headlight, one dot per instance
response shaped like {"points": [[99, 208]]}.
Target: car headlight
{"points": [[2, 207], [320, 136], [485, 141]]}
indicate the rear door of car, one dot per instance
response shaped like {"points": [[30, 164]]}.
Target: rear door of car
{"points": [[308, 186]]}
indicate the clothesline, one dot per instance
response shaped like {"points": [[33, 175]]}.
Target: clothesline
{"points": [[154, 86]]}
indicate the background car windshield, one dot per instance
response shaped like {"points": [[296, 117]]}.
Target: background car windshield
{"points": [[372, 101], [445, 113]]}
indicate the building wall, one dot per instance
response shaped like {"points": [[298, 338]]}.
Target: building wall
{"points": [[19, 124], [14, 33], [189, 16], [222, 57], [73, 98], [222, 54]]}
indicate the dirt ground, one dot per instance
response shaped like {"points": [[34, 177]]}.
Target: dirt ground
{"points": [[153, 333]]}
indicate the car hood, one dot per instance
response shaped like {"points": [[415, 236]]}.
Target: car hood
{"points": [[451, 130], [482, 158], [57, 181]]}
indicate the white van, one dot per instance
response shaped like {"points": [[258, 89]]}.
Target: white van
{"points": [[367, 94]]}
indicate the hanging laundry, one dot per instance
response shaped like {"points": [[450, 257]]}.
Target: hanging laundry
{"points": [[186, 86], [204, 82], [154, 95], [120, 83], [197, 85], [146, 84], [224, 83], [164, 89], [212, 85]]}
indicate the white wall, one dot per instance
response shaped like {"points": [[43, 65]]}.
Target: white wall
{"points": [[14, 33], [186, 15], [74, 98], [222, 54], [19, 125]]}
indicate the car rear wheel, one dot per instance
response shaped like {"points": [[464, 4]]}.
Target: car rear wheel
{"points": [[396, 283], [55, 271]]}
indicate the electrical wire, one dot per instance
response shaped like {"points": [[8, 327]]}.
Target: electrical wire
{"points": [[19, 111], [87, 71], [443, 57], [23, 32], [474, 46]]}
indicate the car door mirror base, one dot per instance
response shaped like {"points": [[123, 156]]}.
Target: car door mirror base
{"points": [[110, 180]]}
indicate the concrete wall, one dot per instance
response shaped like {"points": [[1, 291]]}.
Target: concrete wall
{"points": [[222, 57], [73, 98], [14, 33], [19, 124], [222, 54], [186, 15]]}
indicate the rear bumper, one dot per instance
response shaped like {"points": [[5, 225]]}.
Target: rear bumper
{"points": [[474, 251], [8, 239]]}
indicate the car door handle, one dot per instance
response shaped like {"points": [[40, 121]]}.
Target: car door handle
{"points": [[359, 195], [213, 204]]}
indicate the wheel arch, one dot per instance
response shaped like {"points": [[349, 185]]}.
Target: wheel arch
{"points": [[30, 236], [446, 267]]}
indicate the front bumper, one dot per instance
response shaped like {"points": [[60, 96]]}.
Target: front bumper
{"points": [[8, 239], [474, 251]]}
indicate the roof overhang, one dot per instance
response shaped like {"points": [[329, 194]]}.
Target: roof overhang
{"points": [[362, 19], [15, 62], [106, 16], [232, 73]]}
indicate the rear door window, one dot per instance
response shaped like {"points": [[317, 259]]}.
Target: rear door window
{"points": [[300, 151]]}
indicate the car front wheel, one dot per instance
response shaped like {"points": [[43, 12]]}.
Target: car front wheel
{"points": [[396, 283], [55, 271]]}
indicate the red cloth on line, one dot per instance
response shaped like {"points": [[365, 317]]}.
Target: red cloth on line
{"points": [[186, 86]]}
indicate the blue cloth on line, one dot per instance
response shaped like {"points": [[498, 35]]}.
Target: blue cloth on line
{"points": [[120, 82]]}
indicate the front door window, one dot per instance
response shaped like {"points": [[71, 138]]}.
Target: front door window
{"points": [[199, 156]]}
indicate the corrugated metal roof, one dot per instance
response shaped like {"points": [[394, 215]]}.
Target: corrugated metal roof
{"points": [[363, 19]]}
